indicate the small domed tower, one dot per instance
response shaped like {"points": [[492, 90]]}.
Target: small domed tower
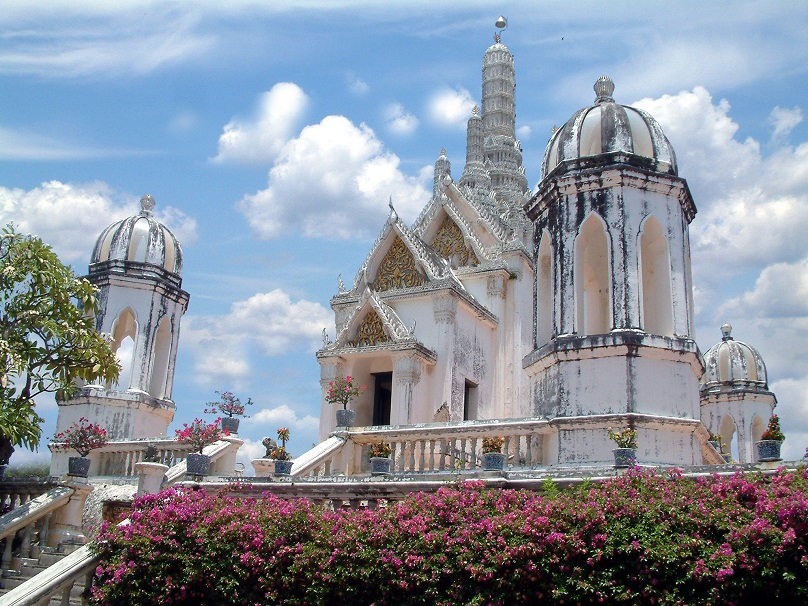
{"points": [[136, 265], [613, 293], [735, 399]]}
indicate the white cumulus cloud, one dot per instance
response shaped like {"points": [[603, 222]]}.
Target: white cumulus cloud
{"points": [[783, 121], [267, 324], [260, 139], [332, 181], [63, 214], [451, 107], [399, 120]]}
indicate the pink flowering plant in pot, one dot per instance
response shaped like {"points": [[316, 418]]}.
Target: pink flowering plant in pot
{"points": [[231, 406], [83, 437], [342, 390], [200, 434]]}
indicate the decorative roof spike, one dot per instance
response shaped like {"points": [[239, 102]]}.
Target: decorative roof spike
{"points": [[443, 152], [147, 204], [393, 214], [340, 283], [604, 87], [726, 332], [475, 111]]}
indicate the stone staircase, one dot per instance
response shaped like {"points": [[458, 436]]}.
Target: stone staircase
{"points": [[23, 569]]}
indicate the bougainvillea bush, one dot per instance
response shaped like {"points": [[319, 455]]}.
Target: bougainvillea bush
{"points": [[642, 538]]}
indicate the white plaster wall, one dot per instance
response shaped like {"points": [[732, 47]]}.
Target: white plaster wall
{"points": [[743, 406]]}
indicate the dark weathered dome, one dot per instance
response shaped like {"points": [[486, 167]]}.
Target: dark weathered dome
{"points": [[140, 238], [608, 127]]}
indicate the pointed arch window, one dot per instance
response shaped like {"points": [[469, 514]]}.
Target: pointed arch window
{"points": [[544, 291], [655, 272], [592, 278], [161, 353], [124, 335]]}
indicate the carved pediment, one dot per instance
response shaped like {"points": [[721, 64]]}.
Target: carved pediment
{"points": [[450, 244], [397, 269], [370, 331]]}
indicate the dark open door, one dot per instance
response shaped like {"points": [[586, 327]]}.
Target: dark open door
{"points": [[382, 397]]}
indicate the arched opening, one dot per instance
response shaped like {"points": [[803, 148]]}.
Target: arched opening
{"points": [[592, 290], [124, 334], [758, 427], [544, 292], [655, 272], [161, 352], [729, 436]]}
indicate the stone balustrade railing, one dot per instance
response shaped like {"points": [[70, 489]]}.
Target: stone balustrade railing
{"points": [[119, 457], [434, 447]]}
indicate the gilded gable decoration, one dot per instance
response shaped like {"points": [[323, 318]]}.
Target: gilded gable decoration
{"points": [[450, 244], [397, 269], [370, 331]]}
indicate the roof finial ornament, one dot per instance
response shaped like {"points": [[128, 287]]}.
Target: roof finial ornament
{"points": [[726, 331], [393, 213], [147, 203], [502, 25], [340, 284], [475, 111], [442, 152], [604, 87]]}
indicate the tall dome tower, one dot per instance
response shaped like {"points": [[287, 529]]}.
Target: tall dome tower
{"points": [[735, 399], [136, 265], [613, 293]]}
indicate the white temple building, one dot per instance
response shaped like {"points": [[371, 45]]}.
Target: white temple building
{"points": [[571, 306], [546, 316]]}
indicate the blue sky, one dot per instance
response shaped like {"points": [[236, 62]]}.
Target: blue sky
{"points": [[272, 135]]}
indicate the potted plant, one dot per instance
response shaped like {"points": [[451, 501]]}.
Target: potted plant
{"points": [[198, 435], [625, 455], [82, 437], [380, 461], [283, 461], [341, 391], [714, 441], [231, 407], [493, 457], [770, 441]]}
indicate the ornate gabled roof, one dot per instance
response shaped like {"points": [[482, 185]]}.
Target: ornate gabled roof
{"points": [[430, 262], [491, 220], [380, 322]]}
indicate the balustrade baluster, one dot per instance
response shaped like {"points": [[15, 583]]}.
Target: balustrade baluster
{"points": [[44, 530], [507, 451], [25, 545], [432, 455], [421, 445]]}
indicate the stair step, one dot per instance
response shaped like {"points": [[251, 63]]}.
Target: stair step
{"points": [[49, 559]]}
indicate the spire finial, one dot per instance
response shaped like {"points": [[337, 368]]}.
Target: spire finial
{"points": [[443, 152], [393, 213], [604, 87], [475, 111], [147, 203], [726, 331]]}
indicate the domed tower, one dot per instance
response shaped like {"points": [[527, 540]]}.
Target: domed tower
{"points": [[613, 293], [136, 265], [735, 399]]}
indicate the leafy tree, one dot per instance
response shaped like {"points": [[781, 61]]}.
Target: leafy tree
{"points": [[47, 334]]}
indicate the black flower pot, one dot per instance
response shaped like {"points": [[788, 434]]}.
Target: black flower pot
{"points": [[230, 424], [346, 418], [380, 466], [493, 461], [197, 464], [768, 450], [283, 468], [78, 467], [625, 457]]}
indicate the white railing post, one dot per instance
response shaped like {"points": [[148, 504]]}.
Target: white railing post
{"points": [[150, 477], [225, 465], [66, 522]]}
